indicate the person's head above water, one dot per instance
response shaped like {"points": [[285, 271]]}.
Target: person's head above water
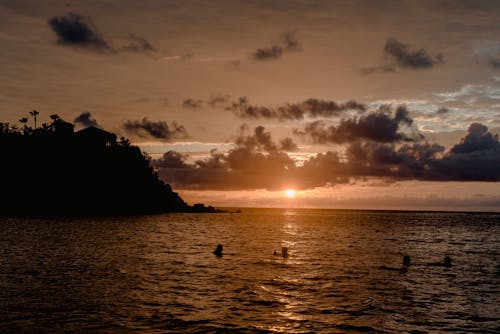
{"points": [[447, 261], [406, 260], [284, 251], [218, 250]]}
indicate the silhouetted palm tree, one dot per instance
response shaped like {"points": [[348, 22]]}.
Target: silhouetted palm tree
{"points": [[55, 119], [34, 113], [46, 127], [24, 121]]}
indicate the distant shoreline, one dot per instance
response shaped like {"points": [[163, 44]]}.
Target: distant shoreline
{"points": [[243, 208]]}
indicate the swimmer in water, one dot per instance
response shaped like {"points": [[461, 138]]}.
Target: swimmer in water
{"points": [[404, 267], [218, 250], [446, 263], [284, 252]]}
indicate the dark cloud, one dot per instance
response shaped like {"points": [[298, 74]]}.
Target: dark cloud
{"points": [[192, 103], [214, 100], [255, 162], [74, 29], [475, 158], [262, 141], [172, 159], [313, 108], [378, 69], [442, 111], [267, 53], [324, 108], [85, 119], [155, 129], [380, 126], [477, 139], [410, 59], [138, 44], [288, 42], [258, 162], [287, 144], [218, 99]]}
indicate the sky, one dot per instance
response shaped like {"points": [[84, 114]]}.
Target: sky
{"points": [[353, 104]]}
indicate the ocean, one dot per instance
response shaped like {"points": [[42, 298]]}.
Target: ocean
{"points": [[343, 273]]}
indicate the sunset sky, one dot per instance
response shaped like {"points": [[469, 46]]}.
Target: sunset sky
{"points": [[353, 104]]}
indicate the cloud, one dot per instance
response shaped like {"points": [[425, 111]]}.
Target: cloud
{"points": [[378, 69], [171, 159], [186, 56], [262, 141], [155, 129], [85, 119], [74, 29], [287, 144], [290, 41], [404, 57], [138, 44], [442, 111], [192, 103], [287, 42], [313, 108], [477, 139], [218, 99], [380, 126], [258, 162], [268, 53], [475, 158]]}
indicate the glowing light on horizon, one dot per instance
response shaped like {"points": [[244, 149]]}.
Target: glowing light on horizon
{"points": [[290, 193]]}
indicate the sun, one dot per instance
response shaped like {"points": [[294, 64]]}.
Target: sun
{"points": [[290, 193]]}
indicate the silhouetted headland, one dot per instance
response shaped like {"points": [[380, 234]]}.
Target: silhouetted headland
{"points": [[53, 170]]}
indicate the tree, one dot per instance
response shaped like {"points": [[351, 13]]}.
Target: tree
{"points": [[24, 121], [34, 113], [55, 119]]}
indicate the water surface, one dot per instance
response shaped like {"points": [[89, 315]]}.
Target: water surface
{"points": [[157, 274]]}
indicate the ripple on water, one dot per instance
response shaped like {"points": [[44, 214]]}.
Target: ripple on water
{"points": [[158, 274]]}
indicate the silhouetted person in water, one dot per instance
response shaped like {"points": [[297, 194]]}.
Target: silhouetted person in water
{"points": [[218, 250], [404, 267], [284, 252], [446, 263]]}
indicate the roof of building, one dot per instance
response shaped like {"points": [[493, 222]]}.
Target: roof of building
{"points": [[93, 132]]}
